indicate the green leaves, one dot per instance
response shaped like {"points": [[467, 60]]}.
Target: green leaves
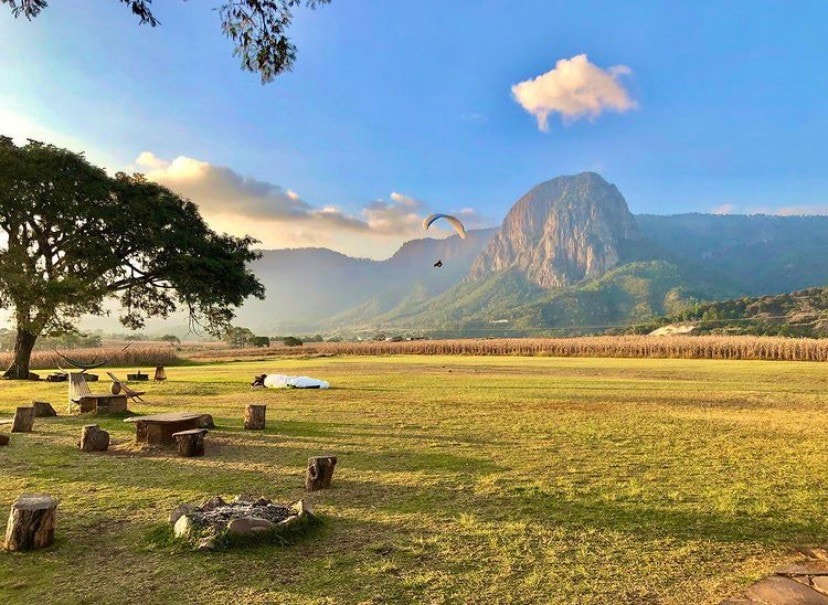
{"points": [[258, 28], [73, 236]]}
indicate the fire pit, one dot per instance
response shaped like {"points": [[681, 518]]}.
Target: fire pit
{"points": [[216, 521]]}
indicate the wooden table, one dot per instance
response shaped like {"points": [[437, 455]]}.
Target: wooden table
{"points": [[158, 429], [102, 403]]}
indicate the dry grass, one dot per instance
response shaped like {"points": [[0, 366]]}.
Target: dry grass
{"points": [[663, 347], [135, 356]]}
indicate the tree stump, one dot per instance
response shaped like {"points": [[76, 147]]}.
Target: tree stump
{"points": [[43, 409], [190, 443], [4, 440], [23, 420], [31, 522], [320, 472], [206, 422], [93, 439], [254, 417]]}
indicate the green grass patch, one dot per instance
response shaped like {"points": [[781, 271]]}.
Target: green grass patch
{"points": [[460, 480]]}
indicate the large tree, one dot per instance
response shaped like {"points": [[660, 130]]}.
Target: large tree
{"points": [[258, 28], [71, 236]]}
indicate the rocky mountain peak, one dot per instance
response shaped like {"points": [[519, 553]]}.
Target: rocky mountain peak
{"points": [[561, 232]]}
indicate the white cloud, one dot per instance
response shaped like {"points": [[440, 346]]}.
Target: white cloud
{"points": [[575, 88], [724, 209], [279, 217], [804, 210], [798, 210]]}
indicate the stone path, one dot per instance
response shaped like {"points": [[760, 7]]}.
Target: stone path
{"points": [[804, 583]]}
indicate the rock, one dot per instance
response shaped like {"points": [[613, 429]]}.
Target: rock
{"points": [[43, 409], [302, 508], [249, 525], [816, 554], [777, 590], [212, 503], [261, 502], [4, 440], [561, 232], [301, 512], [183, 527], [207, 543], [820, 583], [811, 568], [179, 512], [206, 422]]}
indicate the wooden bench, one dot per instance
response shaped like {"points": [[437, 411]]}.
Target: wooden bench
{"points": [[158, 429], [191, 442]]}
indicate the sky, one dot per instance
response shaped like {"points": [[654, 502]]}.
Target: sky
{"points": [[397, 109]]}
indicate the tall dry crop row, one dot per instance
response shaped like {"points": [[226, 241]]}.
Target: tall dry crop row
{"points": [[137, 357], [676, 347]]}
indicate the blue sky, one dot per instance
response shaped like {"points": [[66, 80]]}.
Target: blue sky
{"points": [[398, 108]]}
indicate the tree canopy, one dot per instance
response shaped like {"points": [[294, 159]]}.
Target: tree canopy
{"points": [[71, 236], [257, 28]]}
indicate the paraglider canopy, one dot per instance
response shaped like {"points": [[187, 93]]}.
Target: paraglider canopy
{"points": [[453, 220]]}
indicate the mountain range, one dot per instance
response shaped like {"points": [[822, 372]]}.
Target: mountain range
{"points": [[569, 257]]}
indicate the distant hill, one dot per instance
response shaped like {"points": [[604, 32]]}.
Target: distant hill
{"points": [[308, 287], [802, 313], [757, 254], [568, 258]]}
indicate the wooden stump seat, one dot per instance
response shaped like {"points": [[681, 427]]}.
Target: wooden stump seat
{"points": [[191, 442], [320, 472], [23, 420], [43, 409], [254, 417], [93, 439], [31, 523]]}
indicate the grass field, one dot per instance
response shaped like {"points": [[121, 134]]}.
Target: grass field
{"points": [[461, 480]]}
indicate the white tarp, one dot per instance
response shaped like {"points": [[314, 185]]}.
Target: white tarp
{"points": [[280, 381]]}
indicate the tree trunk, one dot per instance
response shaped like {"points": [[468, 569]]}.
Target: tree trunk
{"points": [[23, 345], [31, 523]]}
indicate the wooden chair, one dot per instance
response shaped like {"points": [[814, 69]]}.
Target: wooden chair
{"points": [[77, 388], [119, 385]]}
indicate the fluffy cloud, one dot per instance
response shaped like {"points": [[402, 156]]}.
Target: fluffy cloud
{"points": [[805, 210], [724, 209], [280, 217], [221, 191], [575, 88], [802, 210]]}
